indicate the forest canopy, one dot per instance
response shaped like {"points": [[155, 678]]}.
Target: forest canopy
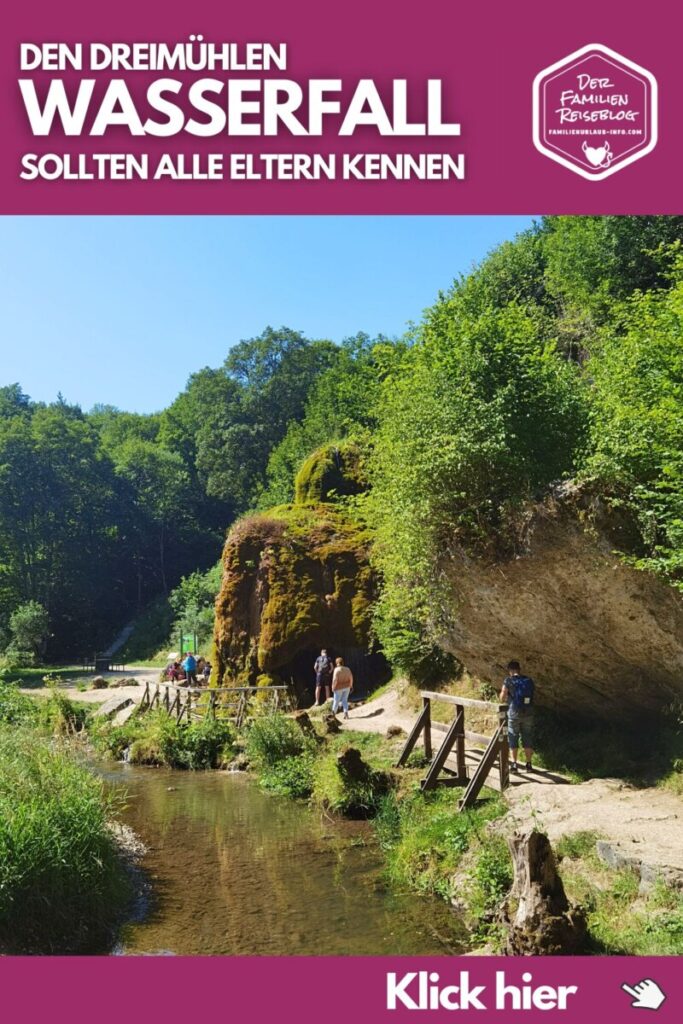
{"points": [[560, 356]]}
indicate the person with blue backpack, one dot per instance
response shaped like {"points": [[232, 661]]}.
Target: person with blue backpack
{"points": [[518, 691]]}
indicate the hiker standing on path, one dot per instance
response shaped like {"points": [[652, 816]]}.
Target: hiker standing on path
{"points": [[518, 691], [323, 676], [190, 666], [342, 684]]}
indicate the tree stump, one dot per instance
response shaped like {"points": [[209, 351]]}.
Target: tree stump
{"points": [[331, 724], [305, 724], [539, 916], [353, 768]]}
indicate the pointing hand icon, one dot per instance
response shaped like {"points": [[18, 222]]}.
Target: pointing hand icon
{"points": [[647, 995]]}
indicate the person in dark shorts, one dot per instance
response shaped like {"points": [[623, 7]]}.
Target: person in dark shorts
{"points": [[518, 692], [323, 669]]}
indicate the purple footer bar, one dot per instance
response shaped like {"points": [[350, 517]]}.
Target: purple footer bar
{"points": [[339, 990]]}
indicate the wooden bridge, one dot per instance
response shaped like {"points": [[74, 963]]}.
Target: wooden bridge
{"points": [[227, 703], [455, 735]]}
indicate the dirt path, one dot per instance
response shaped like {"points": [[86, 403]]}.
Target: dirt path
{"points": [[643, 824], [70, 687]]}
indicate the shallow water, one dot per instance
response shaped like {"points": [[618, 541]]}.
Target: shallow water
{"points": [[234, 871]]}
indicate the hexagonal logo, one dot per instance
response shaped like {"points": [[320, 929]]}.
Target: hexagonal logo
{"points": [[595, 112]]}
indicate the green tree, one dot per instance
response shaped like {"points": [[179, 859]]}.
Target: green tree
{"points": [[267, 382], [58, 518], [161, 486], [637, 422], [482, 415], [29, 625], [13, 401]]}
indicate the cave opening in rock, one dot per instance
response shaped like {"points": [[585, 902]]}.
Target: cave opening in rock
{"points": [[370, 670]]}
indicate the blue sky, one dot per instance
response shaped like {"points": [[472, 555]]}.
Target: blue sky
{"points": [[122, 309]]}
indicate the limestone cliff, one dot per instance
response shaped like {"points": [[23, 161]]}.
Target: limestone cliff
{"points": [[600, 636], [296, 578]]}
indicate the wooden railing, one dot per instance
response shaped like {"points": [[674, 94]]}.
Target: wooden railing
{"points": [[227, 703], [455, 736]]}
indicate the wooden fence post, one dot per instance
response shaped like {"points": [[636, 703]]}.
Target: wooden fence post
{"points": [[424, 716], [460, 745], [427, 738], [504, 757]]}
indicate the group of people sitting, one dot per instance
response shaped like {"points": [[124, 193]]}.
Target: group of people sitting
{"points": [[336, 679], [188, 671]]}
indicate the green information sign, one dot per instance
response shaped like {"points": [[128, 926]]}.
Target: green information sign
{"points": [[188, 643]]}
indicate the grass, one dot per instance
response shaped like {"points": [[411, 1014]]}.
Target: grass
{"points": [[621, 920], [381, 691], [62, 882], [673, 780], [282, 755], [159, 662], [56, 716], [31, 678], [290, 763], [424, 838]]}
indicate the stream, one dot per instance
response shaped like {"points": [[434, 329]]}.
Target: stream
{"points": [[233, 871]]}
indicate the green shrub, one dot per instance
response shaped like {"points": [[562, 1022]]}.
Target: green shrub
{"points": [[272, 738], [15, 659], [15, 707], [292, 777], [637, 374], [157, 739], [60, 716], [482, 415], [62, 884], [205, 744]]}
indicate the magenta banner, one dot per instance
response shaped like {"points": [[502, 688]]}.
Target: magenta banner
{"points": [[277, 108], [585, 990]]}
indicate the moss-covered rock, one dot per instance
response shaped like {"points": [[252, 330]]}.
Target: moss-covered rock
{"points": [[331, 472], [295, 579], [345, 784]]}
